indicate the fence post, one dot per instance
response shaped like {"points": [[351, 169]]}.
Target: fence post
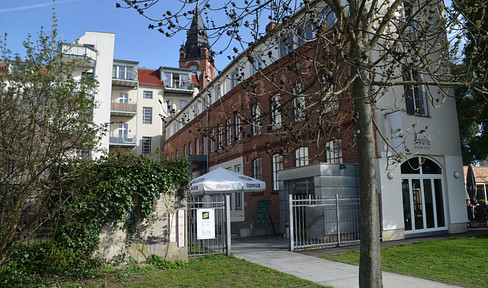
{"points": [[227, 218], [290, 220], [337, 219]]}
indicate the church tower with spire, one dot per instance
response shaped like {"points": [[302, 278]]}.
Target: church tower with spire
{"points": [[196, 54]]}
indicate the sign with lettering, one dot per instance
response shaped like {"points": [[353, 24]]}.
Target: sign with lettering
{"points": [[262, 214], [205, 224]]}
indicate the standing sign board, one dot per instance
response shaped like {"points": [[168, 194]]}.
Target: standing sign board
{"points": [[205, 224], [262, 216]]}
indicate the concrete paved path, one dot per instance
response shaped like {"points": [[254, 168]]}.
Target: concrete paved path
{"points": [[273, 252]]}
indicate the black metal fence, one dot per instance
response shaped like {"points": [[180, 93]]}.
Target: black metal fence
{"points": [[220, 242]]}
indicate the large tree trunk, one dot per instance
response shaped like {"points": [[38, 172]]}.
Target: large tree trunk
{"points": [[370, 260]]}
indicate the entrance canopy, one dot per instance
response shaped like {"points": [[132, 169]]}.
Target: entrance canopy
{"points": [[220, 181]]}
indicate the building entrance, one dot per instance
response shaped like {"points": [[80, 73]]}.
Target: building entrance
{"points": [[423, 197]]}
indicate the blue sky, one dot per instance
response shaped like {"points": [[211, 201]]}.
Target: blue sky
{"points": [[133, 41]]}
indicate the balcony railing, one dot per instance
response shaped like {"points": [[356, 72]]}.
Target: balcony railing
{"points": [[80, 52], [117, 140], [123, 107]]}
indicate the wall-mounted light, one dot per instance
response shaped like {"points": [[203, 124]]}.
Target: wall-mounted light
{"points": [[456, 174], [390, 175]]}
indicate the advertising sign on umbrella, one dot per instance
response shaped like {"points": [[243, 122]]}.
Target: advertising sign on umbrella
{"points": [[221, 181]]}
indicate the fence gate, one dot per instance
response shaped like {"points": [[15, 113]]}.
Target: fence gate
{"points": [[209, 225], [316, 222]]}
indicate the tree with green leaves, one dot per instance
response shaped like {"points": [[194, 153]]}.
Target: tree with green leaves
{"points": [[46, 109], [472, 101], [370, 51]]}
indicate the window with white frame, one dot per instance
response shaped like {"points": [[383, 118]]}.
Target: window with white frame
{"points": [[123, 72], [190, 148], [277, 166], [220, 134], [305, 32], [184, 150], [147, 94], [147, 115], [415, 95], [169, 106], [257, 168], [124, 98], [257, 64], [286, 44], [197, 146], [237, 128], [183, 104], [196, 110], [333, 151], [298, 104], [256, 120], [228, 131], [123, 132], [275, 112], [234, 80], [212, 141], [301, 157], [146, 145], [218, 91]]}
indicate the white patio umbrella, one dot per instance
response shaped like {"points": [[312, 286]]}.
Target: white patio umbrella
{"points": [[220, 181]]}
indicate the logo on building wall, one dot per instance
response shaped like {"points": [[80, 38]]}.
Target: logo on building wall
{"points": [[421, 142]]}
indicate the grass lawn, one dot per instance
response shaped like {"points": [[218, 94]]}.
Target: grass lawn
{"points": [[458, 260], [212, 271]]}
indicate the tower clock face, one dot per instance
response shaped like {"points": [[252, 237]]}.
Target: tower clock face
{"points": [[194, 68]]}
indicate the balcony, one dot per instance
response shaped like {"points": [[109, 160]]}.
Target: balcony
{"points": [[116, 140], [124, 75], [86, 53], [123, 109]]}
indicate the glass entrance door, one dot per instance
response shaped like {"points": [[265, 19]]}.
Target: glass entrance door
{"points": [[423, 204]]}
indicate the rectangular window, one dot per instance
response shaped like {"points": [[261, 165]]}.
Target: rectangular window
{"points": [[167, 79], [298, 104], [147, 115], [333, 150], [238, 196], [237, 128], [124, 98], [286, 44], [169, 106], [234, 79], [147, 94], [190, 148], [121, 72], [182, 104], [146, 145], [220, 132], [257, 64], [212, 141], [228, 131], [184, 150], [301, 157], [415, 95], [256, 120], [257, 168], [197, 146], [123, 132], [275, 113], [218, 91], [277, 166]]}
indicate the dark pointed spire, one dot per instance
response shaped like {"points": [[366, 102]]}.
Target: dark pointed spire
{"points": [[196, 38]]}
